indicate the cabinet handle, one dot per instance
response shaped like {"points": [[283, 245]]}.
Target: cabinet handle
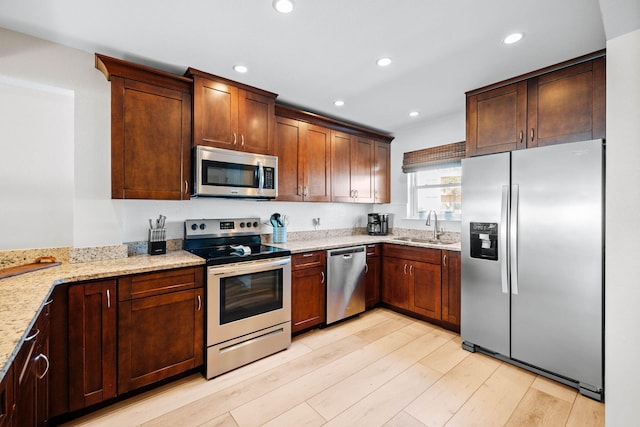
{"points": [[405, 269], [444, 260], [532, 134], [411, 270], [235, 139], [366, 268], [242, 136], [108, 298], [46, 359], [521, 136], [322, 281], [199, 303], [186, 187], [32, 337], [306, 192]]}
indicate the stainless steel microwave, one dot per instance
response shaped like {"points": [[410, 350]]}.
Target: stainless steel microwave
{"points": [[227, 173]]}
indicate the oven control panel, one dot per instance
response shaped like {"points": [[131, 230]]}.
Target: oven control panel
{"points": [[204, 228]]}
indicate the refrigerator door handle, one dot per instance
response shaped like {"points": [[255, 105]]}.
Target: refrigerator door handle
{"points": [[513, 238], [503, 248]]}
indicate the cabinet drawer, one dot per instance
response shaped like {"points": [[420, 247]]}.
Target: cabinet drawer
{"points": [[162, 282], [431, 256], [308, 260], [373, 250]]}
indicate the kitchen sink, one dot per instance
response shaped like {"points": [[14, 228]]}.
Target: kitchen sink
{"points": [[429, 241]]}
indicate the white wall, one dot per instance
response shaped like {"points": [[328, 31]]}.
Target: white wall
{"points": [[622, 309], [443, 130]]}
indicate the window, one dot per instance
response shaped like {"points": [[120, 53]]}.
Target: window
{"points": [[437, 188]]}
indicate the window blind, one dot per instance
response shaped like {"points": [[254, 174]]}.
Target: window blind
{"points": [[434, 157]]}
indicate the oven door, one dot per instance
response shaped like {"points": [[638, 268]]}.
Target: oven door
{"points": [[247, 297]]}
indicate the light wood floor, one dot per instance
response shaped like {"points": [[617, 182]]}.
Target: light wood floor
{"points": [[380, 369]]}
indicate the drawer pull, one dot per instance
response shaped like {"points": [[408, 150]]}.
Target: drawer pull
{"points": [[32, 337], [308, 255], [108, 298], [322, 281], [199, 303]]}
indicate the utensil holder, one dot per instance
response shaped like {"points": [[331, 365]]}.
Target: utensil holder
{"points": [[279, 234], [157, 241]]}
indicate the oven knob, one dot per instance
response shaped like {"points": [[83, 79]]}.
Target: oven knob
{"points": [[255, 223], [242, 225], [203, 226], [194, 227], [248, 225]]}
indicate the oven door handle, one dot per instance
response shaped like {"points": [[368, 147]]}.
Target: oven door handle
{"points": [[260, 178], [248, 267]]}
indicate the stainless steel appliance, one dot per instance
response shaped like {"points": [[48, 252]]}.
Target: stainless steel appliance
{"points": [[228, 173], [532, 260], [345, 282], [248, 292], [377, 224]]}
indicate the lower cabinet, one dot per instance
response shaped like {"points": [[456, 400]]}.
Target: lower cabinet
{"points": [[6, 398], [113, 336], [424, 282], [451, 288], [372, 275], [160, 328], [30, 382], [308, 290], [92, 343]]}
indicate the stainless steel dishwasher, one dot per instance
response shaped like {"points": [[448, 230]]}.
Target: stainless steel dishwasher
{"points": [[345, 282]]}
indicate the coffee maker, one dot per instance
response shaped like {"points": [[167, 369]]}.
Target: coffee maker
{"points": [[378, 224]]}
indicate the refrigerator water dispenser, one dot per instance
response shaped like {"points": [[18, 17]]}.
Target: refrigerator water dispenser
{"points": [[484, 240]]}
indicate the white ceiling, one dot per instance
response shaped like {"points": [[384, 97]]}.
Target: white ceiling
{"points": [[326, 49]]}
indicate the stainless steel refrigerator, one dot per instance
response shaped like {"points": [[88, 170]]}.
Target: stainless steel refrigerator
{"points": [[532, 260]]}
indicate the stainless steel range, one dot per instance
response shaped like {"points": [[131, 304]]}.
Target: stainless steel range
{"points": [[248, 292]]}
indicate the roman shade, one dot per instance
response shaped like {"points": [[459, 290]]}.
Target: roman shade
{"points": [[434, 157]]}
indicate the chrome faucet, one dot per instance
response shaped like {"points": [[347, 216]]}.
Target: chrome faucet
{"points": [[435, 225]]}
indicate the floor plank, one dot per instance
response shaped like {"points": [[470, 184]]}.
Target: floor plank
{"points": [[538, 408]]}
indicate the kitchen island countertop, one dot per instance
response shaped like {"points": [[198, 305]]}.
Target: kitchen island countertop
{"points": [[22, 297]]}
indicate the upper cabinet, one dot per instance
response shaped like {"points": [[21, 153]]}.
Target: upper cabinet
{"points": [[324, 159], [304, 161], [150, 131], [558, 104], [231, 115]]}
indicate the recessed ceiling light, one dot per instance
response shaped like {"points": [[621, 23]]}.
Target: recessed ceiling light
{"points": [[283, 6], [383, 62], [338, 103], [513, 38], [414, 114], [240, 68]]}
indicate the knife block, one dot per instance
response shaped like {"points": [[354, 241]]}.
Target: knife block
{"points": [[157, 241]]}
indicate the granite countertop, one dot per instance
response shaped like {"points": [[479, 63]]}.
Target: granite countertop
{"points": [[331, 242], [23, 296]]}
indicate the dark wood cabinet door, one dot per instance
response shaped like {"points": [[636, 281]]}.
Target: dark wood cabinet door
{"points": [[395, 289], [159, 336], [288, 148], [32, 366], [341, 189], [372, 281], [151, 141], [308, 296], [316, 158], [92, 343], [6, 398], [496, 120], [256, 122], [59, 352], [567, 105], [451, 287], [382, 173], [426, 289], [215, 121], [363, 151]]}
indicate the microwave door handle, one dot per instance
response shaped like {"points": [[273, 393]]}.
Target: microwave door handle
{"points": [[260, 177]]}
